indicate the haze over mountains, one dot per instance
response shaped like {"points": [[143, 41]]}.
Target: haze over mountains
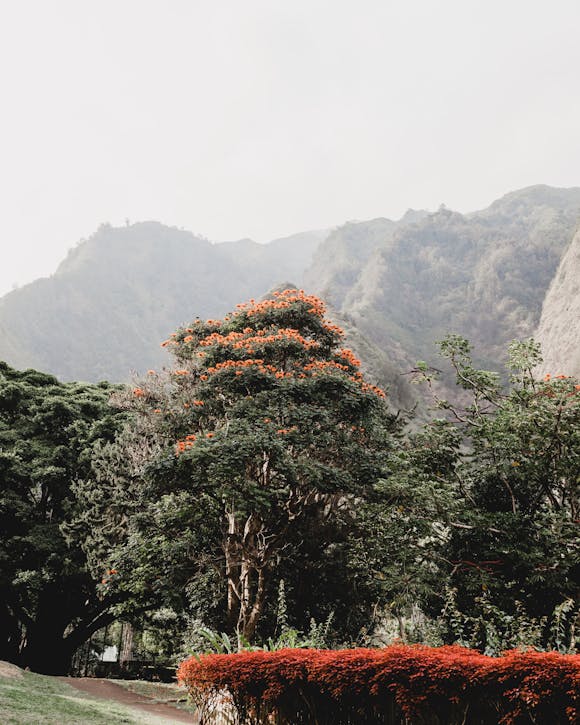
{"points": [[397, 286]]}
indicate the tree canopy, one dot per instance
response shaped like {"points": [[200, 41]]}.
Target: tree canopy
{"points": [[48, 432], [264, 427]]}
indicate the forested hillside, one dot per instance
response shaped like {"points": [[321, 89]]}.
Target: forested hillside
{"points": [[483, 275], [116, 296], [396, 286]]}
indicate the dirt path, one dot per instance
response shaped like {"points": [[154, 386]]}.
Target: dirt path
{"points": [[110, 691]]}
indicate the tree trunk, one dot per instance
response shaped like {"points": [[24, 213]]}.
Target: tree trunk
{"points": [[247, 562], [126, 651], [232, 557], [46, 651], [257, 606], [48, 643], [10, 635]]}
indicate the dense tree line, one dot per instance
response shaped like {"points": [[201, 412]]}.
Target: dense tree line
{"points": [[264, 456], [49, 433], [486, 500]]}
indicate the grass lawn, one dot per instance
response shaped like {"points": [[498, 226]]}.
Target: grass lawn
{"points": [[30, 699]]}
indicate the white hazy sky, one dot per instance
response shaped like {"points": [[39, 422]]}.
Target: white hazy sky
{"points": [[260, 118]]}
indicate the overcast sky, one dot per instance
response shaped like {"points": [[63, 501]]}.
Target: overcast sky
{"points": [[260, 118]]}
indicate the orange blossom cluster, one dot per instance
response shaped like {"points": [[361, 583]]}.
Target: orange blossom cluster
{"points": [[239, 341], [283, 300]]}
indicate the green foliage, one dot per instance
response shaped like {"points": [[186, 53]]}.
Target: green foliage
{"points": [[509, 542], [560, 625], [255, 446], [218, 643], [494, 630], [48, 433], [318, 637]]}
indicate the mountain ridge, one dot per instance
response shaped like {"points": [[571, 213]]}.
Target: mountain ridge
{"points": [[483, 275], [398, 284]]}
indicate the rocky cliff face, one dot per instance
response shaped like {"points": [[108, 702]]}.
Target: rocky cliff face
{"points": [[559, 328]]}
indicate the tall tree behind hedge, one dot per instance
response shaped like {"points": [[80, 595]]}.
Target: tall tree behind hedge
{"points": [[265, 423]]}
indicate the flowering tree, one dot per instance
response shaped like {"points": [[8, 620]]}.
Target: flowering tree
{"points": [[265, 419]]}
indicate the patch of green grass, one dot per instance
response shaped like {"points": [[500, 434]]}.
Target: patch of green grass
{"points": [[41, 700]]}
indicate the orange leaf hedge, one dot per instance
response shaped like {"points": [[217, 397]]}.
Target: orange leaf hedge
{"points": [[397, 684]]}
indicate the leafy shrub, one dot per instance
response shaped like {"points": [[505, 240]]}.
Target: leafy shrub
{"points": [[397, 684], [494, 631]]}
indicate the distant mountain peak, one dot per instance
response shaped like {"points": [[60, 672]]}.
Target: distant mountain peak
{"points": [[413, 216]]}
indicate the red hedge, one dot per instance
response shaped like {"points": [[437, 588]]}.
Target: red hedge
{"points": [[397, 684]]}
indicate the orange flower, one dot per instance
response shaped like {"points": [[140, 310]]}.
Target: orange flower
{"points": [[138, 392], [283, 300]]}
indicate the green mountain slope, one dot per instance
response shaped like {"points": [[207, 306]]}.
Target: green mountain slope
{"points": [[340, 257], [120, 293], [483, 275]]}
